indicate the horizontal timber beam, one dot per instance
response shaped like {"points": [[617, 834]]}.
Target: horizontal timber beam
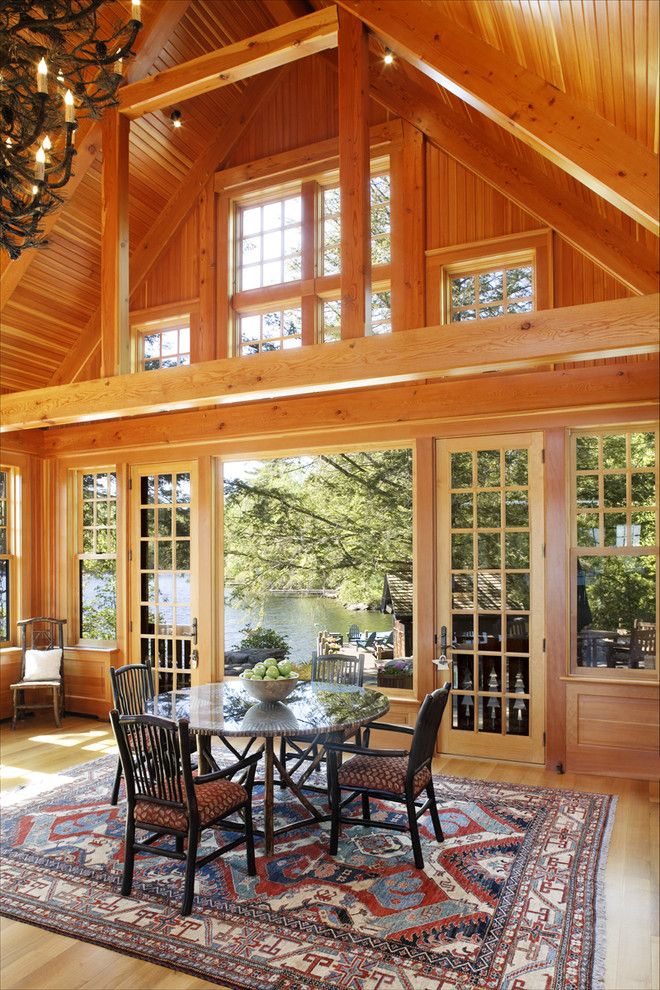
{"points": [[270, 49], [532, 392], [566, 132], [595, 330]]}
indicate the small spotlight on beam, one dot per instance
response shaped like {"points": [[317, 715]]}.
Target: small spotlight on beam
{"points": [[175, 117], [388, 57]]}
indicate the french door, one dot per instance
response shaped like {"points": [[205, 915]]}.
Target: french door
{"points": [[490, 595], [164, 572]]}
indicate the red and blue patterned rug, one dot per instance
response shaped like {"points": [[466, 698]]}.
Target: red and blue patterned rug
{"points": [[511, 901]]}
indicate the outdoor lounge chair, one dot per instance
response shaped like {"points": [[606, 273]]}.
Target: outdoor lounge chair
{"points": [[368, 643]]}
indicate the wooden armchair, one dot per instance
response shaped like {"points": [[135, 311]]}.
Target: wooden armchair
{"points": [[42, 666], [390, 774]]}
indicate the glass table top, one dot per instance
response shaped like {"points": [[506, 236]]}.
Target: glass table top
{"points": [[226, 709]]}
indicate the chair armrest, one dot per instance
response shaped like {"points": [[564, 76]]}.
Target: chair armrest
{"points": [[362, 750], [248, 761], [390, 727]]}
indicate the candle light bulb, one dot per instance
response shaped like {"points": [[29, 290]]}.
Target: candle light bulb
{"points": [[135, 10], [46, 145], [40, 164], [42, 72], [9, 142], [119, 67], [35, 190], [69, 108]]}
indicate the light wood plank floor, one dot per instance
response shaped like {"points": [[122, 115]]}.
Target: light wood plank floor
{"points": [[32, 959]]}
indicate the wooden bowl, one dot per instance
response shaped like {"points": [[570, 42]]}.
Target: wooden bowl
{"points": [[270, 690]]}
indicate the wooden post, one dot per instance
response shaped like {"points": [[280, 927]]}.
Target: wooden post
{"points": [[204, 348], [556, 595], [115, 340], [354, 177], [424, 565], [408, 232], [309, 226]]}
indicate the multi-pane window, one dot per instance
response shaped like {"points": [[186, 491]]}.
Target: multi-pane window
{"points": [[482, 294], [269, 243], [381, 228], [164, 348], [287, 260], [274, 331], [615, 544], [381, 317], [5, 554], [97, 556]]}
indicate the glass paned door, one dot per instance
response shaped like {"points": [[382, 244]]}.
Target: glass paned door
{"points": [[490, 586], [163, 617]]}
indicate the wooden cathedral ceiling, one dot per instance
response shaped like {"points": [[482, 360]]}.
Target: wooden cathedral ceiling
{"points": [[604, 55]]}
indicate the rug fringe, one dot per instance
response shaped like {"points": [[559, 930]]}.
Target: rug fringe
{"points": [[600, 941]]}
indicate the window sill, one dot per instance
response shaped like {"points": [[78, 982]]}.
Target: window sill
{"points": [[650, 679], [108, 647]]}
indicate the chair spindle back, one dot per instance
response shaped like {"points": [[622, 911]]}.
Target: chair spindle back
{"points": [[338, 670], [156, 766], [132, 685]]}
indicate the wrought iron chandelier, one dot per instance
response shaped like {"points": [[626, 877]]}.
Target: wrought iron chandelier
{"points": [[53, 66]]}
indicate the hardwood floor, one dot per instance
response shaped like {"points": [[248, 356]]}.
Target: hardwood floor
{"points": [[32, 959]]}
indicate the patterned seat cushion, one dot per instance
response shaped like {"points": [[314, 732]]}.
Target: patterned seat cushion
{"points": [[215, 799], [381, 773]]}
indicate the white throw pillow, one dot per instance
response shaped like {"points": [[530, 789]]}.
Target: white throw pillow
{"points": [[42, 665]]}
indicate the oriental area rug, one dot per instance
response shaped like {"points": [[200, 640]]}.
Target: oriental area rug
{"points": [[512, 900]]}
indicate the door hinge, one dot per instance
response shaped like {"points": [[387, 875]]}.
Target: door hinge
{"points": [[130, 484], [130, 556], [544, 549], [544, 645], [544, 738], [543, 456], [130, 625]]}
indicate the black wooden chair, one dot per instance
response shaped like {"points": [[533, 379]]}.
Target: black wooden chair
{"points": [[390, 774], [164, 798], [132, 686], [42, 666], [336, 668]]}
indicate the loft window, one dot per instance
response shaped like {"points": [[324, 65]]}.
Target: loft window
{"points": [[165, 347], [614, 550], [485, 293], [381, 317], [381, 225], [278, 330], [269, 242], [97, 554]]}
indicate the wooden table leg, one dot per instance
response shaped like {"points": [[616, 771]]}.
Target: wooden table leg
{"points": [[268, 797]]}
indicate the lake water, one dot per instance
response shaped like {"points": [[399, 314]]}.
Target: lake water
{"points": [[300, 619]]}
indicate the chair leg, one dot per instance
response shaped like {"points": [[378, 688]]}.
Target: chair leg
{"points": [[433, 808], [115, 787], [366, 810], [334, 821], [249, 841], [15, 715], [56, 707], [414, 832], [191, 863], [178, 843], [129, 857]]}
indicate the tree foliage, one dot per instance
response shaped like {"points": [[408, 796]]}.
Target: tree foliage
{"points": [[328, 521]]}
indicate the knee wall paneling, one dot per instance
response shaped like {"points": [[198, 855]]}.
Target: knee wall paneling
{"points": [[10, 670], [87, 681], [613, 729]]}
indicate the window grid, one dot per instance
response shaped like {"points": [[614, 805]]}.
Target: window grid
{"points": [[487, 293], [381, 228], [165, 348], [276, 330], [381, 317], [97, 555], [269, 245]]}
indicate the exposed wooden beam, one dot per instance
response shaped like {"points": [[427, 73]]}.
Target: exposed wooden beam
{"points": [[587, 332], [562, 129], [451, 401], [115, 340], [88, 136], [354, 176], [412, 96], [182, 200], [270, 49]]}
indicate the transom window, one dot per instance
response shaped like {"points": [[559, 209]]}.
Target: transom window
{"points": [[485, 293], [614, 549], [164, 348], [97, 554]]}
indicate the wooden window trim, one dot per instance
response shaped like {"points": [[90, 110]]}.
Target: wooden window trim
{"points": [[442, 262], [609, 675], [160, 318], [13, 549]]}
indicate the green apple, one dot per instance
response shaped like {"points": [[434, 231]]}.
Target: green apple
{"points": [[272, 674], [284, 667], [247, 675], [270, 662], [259, 668]]}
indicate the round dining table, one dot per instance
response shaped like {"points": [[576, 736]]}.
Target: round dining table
{"points": [[315, 711]]}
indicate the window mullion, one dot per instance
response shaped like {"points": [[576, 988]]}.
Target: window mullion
{"points": [[310, 252]]}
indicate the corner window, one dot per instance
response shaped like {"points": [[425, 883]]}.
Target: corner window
{"points": [[614, 550], [97, 555]]}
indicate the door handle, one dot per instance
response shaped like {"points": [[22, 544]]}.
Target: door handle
{"points": [[193, 634]]}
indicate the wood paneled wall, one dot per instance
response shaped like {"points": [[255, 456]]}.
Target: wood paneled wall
{"points": [[176, 274]]}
